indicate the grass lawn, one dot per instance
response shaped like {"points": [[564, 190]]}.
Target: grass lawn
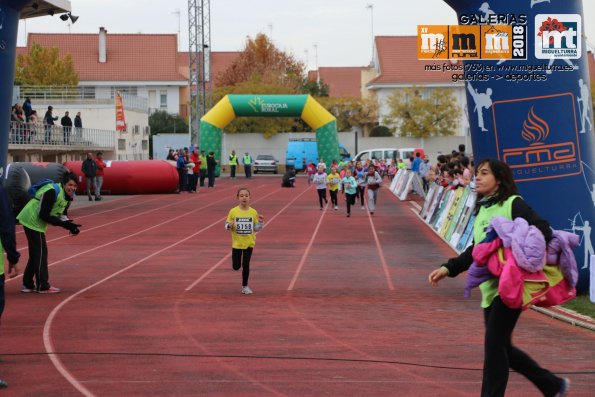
{"points": [[582, 305]]}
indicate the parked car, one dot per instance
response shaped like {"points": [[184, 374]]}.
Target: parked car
{"points": [[265, 162]]}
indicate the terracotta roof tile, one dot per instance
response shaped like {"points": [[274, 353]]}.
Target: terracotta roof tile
{"points": [[220, 61], [399, 64], [130, 57], [342, 81]]}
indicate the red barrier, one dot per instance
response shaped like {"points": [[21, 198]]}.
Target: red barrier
{"points": [[132, 177]]}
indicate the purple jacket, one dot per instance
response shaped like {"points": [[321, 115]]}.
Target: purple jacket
{"points": [[528, 247]]}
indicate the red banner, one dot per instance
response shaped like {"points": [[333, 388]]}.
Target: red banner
{"points": [[120, 121]]}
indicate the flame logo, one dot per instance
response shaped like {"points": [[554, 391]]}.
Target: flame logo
{"points": [[535, 129]]}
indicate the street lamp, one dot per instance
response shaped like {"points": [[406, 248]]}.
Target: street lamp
{"points": [[371, 8]]}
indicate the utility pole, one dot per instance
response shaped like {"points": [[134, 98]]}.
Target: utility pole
{"points": [[270, 25], [316, 63], [371, 8], [199, 40], [177, 12]]}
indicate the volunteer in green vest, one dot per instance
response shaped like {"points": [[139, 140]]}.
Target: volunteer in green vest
{"points": [[248, 165], [203, 167], [48, 207], [233, 163], [497, 195], [8, 245]]}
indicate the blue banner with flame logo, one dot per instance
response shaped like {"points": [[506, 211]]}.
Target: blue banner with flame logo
{"points": [[536, 114]]}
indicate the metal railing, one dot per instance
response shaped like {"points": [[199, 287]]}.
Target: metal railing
{"points": [[27, 134], [67, 95]]}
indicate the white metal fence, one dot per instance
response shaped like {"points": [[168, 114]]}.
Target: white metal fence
{"points": [[55, 135]]}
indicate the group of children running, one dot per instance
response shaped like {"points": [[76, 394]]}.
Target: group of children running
{"points": [[350, 179]]}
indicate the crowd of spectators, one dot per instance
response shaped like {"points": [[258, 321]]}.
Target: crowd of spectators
{"points": [[26, 126]]}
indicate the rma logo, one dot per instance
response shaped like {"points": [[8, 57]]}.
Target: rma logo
{"points": [[557, 36]]}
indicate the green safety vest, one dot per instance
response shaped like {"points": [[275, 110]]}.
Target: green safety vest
{"points": [[203, 162], [29, 216], [489, 289], [233, 159], [247, 160]]}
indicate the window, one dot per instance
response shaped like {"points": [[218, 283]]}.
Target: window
{"points": [[390, 154], [121, 144], [377, 154], [145, 144], [163, 99]]}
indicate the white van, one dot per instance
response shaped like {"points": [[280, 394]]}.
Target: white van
{"points": [[387, 154]]}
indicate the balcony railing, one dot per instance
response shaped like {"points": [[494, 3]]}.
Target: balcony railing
{"points": [[27, 134], [64, 95]]}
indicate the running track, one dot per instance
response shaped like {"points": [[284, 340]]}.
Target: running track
{"points": [[151, 307]]}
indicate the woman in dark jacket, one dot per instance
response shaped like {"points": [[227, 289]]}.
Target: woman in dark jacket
{"points": [[497, 195], [211, 165]]}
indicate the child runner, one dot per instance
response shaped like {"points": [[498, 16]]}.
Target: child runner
{"points": [[244, 222], [349, 184], [311, 170], [360, 176], [373, 181], [320, 182], [333, 180]]}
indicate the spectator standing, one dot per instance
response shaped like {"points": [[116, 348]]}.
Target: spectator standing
{"points": [[203, 167], [416, 163], [99, 177], [66, 122], [78, 128], [211, 165], [424, 168], [248, 165], [195, 159], [27, 108], [48, 121], [170, 155], [33, 120], [89, 169], [233, 163], [181, 167], [8, 244]]}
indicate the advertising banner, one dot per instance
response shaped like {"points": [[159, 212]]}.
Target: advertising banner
{"points": [[529, 102], [120, 120]]}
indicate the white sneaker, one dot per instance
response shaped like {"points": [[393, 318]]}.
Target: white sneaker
{"points": [[246, 290], [336, 207], [363, 208]]}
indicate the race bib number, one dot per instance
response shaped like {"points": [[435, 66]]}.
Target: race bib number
{"points": [[244, 225]]}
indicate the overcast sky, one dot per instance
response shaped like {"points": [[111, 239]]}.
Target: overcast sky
{"points": [[339, 31]]}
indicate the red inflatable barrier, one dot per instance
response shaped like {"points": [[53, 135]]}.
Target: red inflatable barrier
{"points": [[132, 177]]}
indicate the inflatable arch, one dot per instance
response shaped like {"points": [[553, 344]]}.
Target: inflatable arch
{"points": [[304, 106]]}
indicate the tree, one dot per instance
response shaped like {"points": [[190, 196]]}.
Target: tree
{"points": [[315, 88], [262, 62], [351, 112], [44, 67], [380, 130], [162, 122], [416, 116]]}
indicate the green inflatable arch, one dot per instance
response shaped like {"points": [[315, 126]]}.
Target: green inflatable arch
{"points": [[304, 106]]}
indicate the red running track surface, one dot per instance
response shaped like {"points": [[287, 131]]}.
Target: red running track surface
{"points": [[342, 307]]}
